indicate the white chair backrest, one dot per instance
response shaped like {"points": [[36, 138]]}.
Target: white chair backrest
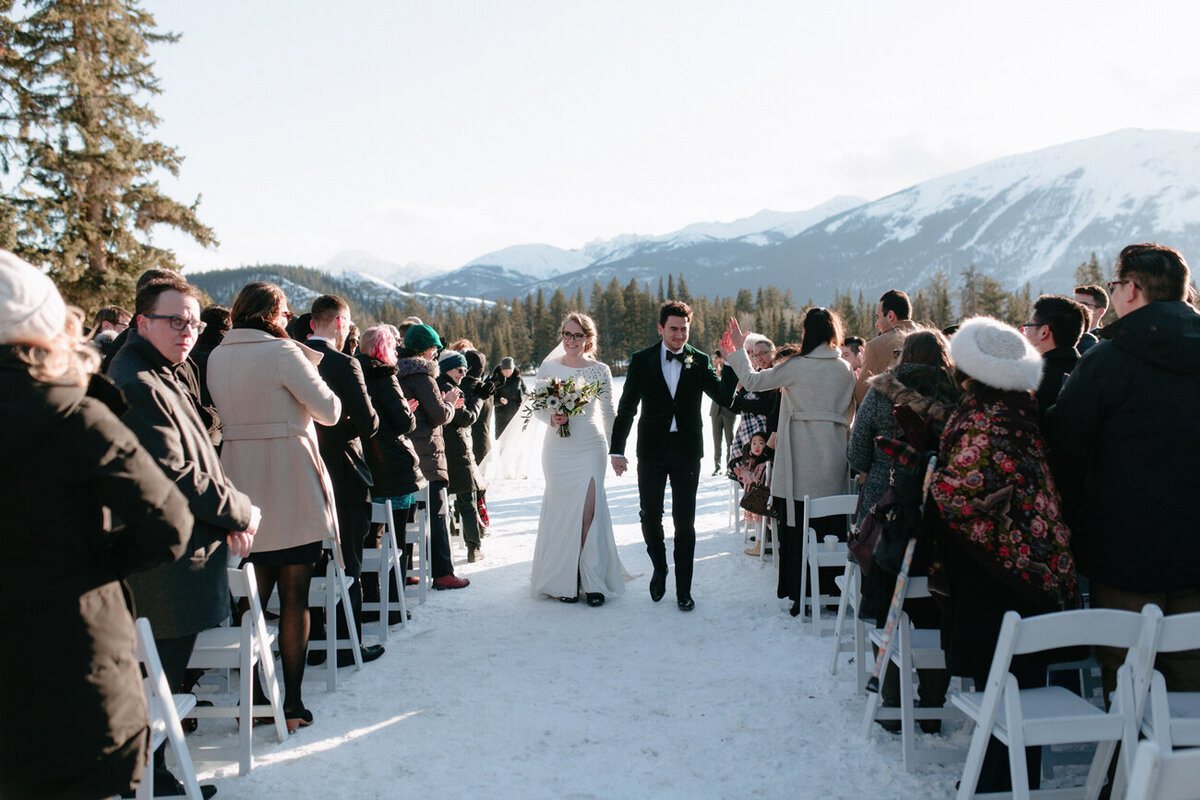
{"points": [[832, 506], [381, 512], [1095, 626], [1179, 632], [1164, 776]]}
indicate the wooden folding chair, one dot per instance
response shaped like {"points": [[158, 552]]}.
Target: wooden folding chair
{"points": [[1021, 718], [242, 648], [384, 561], [165, 710]]}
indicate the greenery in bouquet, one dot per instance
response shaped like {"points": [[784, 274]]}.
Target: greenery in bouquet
{"points": [[560, 396]]}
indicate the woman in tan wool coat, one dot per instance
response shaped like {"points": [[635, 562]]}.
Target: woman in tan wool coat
{"points": [[816, 406], [268, 393]]}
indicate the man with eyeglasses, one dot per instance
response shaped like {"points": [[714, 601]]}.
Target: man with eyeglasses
{"points": [[192, 594], [1095, 301], [1053, 331], [1124, 436]]}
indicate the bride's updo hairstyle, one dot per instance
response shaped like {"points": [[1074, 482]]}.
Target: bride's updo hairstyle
{"points": [[589, 327]]}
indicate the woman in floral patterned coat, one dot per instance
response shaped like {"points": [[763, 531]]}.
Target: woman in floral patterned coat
{"points": [[1004, 541]]}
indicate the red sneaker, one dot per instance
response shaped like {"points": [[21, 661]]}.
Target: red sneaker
{"points": [[483, 515], [411, 580], [451, 582]]}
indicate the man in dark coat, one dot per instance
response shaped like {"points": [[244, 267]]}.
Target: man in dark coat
{"points": [[1095, 301], [1124, 436], [477, 384], [1053, 329], [666, 380], [342, 452], [192, 594]]}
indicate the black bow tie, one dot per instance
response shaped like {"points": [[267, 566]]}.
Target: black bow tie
{"points": [[674, 356]]}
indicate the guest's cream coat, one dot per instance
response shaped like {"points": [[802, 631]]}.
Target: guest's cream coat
{"points": [[815, 410], [268, 393]]}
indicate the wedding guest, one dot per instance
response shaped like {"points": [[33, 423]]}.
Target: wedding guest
{"points": [[74, 716], [754, 407], [1054, 329], [1004, 541], [1095, 300], [216, 325], [752, 470], [893, 320], [270, 394], [852, 352], [109, 323], [815, 407], [417, 371], [464, 480], [723, 420], [389, 453], [508, 394]]}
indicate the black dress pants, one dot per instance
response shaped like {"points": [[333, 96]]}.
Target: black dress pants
{"points": [[684, 476]]}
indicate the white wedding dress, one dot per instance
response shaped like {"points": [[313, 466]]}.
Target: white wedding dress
{"points": [[561, 567]]}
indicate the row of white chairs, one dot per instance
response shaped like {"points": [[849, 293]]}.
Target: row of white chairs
{"points": [[1046, 715]]}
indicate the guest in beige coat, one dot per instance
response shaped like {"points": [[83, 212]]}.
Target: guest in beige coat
{"points": [[268, 393], [816, 406], [893, 319]]}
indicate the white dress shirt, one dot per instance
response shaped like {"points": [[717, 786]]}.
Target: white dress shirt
{"points": [[671, 371]]}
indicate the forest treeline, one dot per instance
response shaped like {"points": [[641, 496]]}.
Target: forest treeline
{"points": [[627, 314]]}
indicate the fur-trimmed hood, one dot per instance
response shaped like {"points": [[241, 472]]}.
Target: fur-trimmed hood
{"points": [[906, 385], [416, 366]]}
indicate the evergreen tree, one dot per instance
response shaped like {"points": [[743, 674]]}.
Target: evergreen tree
{"points": [[86, 198], [1090, 273]]}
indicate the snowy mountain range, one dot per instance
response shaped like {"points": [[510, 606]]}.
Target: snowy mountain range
{"points": [[1031, 217]]}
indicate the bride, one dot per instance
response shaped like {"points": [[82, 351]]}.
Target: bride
{"points": [[575, 550]]}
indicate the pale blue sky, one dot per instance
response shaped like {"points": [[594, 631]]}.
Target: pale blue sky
{"points": [[432, 132]]}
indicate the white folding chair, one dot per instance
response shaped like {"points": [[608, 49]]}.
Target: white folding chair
{"points": [[912, 649], [332, 590], [1172, 719], [1022, 718], [384, 561], [849, 583], [417, 535], [815, 554], [1159, 775], [241, 648], [165, 710]]}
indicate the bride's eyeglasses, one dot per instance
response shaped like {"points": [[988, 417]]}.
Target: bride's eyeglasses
{"points": [[573, 337]]}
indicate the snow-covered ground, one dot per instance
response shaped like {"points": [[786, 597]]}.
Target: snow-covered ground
{"points": [[490, 692]]}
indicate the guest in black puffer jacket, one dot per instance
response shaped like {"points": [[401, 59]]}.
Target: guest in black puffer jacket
{"points": [[1124, 437], [73, 719], [417, 372], [389, 453], [460, 461], [477, 383]]}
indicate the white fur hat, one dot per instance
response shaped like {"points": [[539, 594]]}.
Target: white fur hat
{"points": [[31, 309], [997, 355]]}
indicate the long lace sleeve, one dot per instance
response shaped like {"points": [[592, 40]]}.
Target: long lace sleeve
{"points": [[545, 372], [607, 407]]}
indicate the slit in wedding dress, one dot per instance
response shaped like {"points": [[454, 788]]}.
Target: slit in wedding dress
{"points": [[589, 512]]}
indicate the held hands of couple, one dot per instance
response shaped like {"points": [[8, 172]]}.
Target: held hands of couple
{"points": [[619, 464], [558, 420]]}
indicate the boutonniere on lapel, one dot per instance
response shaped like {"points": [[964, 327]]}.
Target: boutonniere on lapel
{"points": [[687, 361]]}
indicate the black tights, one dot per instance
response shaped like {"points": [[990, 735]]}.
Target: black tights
{"points": [[293, 581]]}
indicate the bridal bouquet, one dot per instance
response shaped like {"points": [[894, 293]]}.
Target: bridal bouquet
{"points": [[560, 396]]}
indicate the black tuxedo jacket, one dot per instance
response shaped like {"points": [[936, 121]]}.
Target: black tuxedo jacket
{"points": [[340, 444], [646, 385]]}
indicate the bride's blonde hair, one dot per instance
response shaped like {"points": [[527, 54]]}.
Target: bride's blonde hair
{"points": [[589, 328]]}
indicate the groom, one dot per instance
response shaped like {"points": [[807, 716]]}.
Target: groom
{"points": [[667, 380]]}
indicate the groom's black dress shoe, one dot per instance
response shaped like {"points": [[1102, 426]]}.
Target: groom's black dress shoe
{"points": [[658, 586], [595, 599], [686, 603]]}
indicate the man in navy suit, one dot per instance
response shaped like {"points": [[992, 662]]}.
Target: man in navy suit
{"points": [[666, 380], [341, 448]]}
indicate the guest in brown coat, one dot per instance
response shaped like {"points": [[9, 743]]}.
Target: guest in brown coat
{"points": [[269, 393], [893, 319]]}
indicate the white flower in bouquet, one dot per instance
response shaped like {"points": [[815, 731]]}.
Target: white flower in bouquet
{"points": [[553, 403]]}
